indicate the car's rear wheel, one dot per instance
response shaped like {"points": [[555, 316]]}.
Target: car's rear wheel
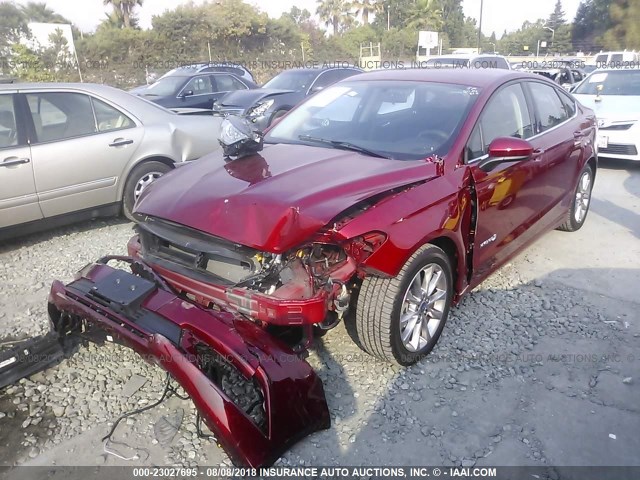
{"points": [[400, 319], [140, 178], [580, 203]]}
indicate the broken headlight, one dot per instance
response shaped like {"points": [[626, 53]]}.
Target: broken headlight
{"points": [[261, 108]]}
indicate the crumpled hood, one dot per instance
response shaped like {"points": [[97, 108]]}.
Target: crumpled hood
{"points": [[248, 98], [275, 200]]}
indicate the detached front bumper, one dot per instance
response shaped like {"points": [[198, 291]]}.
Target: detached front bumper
{"points": [[254, 393]]}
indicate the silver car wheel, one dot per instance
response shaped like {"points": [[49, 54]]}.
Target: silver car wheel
{"points": [[423, 307], [144, 182], [583, 196]]}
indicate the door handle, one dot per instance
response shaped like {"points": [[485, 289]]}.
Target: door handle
{"points": [[577, 134], [537, 154], [119, 142], [8, 162]]}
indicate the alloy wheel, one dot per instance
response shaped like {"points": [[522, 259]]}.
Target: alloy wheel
{"points": [[423, 307], [144, 181], [583, 197]]}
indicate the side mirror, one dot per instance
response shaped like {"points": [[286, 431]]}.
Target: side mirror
{"points": [[506, 149], [316, 89], [187, 93]]}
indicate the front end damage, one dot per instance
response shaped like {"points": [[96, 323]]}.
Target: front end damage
{"points": [[304, 286], [254, 393]]}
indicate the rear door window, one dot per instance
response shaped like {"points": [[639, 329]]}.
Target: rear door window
{"points": [[61, 115], [550, 110], [227, 83], [200, 85], [110, 118]]}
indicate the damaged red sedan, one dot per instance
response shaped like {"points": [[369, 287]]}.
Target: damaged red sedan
{"points": [[381, 199]]}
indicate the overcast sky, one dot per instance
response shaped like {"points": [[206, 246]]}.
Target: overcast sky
{"points": [[498, 14]]}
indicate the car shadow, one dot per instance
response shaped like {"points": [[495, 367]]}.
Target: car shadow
{"points": [[14, 243], [620, 215], [612, 211], [505, 385]]}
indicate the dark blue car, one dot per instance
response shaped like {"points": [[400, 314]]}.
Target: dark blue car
{"points": [[280, 94], [183, 89]]}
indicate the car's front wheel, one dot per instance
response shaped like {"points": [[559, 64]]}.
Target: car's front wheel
{"points": [[400, 319], [580, 202], [139, 178]]}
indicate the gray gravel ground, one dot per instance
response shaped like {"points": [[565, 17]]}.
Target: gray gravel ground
{"points": [[538, 366]]}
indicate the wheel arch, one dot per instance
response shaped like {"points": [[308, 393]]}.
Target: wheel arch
{"points": [[151, 158], [593, 163]]}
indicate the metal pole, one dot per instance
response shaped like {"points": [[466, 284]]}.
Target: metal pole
{"points": [[480, 26], [538, 50]]}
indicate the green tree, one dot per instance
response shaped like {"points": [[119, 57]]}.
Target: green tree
{"points": [[591, 22], [13, 26], [558, 33], [39, 12], [395, 14], [557, 17], [453, 21], [297, 15], [28, 66], [426, 15], [625, 29], [527, 35], [124, 10], [366, 8], [334, 13]]}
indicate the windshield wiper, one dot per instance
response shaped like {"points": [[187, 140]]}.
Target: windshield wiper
{"points": [[342, 145]]}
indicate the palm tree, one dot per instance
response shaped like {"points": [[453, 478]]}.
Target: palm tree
{"points": [[124, 9], [366, 7], [332, 13], [39, 12], [425, 14]]}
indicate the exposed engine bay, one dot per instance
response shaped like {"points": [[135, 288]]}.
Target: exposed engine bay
{"points": [[317, 271]]}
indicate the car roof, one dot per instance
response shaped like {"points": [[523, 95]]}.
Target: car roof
{"points": [[467, 56], [138, 107], [321, 69], [89, 87], [472, 77]]}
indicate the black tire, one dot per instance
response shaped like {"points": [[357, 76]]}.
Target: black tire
{"points": [[571, 224], [380, 302], [136, 175]]}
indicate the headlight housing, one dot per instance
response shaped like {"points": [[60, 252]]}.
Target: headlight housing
{"points": [[261, 108], [239, 138]]}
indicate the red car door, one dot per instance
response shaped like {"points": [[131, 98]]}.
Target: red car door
{"points": [[561, 134], [509, 196]]}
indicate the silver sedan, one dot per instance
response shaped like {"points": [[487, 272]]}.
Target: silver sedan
{"points": [[70, 152]]}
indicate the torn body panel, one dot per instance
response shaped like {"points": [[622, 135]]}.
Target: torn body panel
{"points": [[298, 288], [206, 352]]}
